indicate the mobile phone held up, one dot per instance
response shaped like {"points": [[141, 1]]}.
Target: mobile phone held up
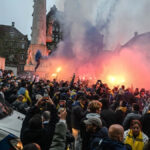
{"points": [[62, 103]]}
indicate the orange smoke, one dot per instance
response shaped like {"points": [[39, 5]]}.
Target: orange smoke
{"points": [[127, 68]]}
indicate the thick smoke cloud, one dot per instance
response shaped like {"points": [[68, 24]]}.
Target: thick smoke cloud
{"points": [[130, 16], [84, 25], [105, 15]]}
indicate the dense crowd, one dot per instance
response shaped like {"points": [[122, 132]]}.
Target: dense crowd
{"points": [[62, 115]]}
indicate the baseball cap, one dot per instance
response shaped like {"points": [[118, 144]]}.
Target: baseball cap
{"points": [[93, 120]]}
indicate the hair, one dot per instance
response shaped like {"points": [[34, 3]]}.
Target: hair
{"points": [[35, 122], [124, 103], [135, 106], [23, 84], [105, 103], [31, 146], [46, 115], [133, 122], [83, 98], [2, 86], [94, 105]]}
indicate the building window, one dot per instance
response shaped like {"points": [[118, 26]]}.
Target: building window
{"points": [[18, 45], [11, 57], [22, 57], [21, 68], [12, 34], [23, 45], [57, 29], [54, 28]]}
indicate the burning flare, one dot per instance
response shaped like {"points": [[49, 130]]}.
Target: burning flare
{"points": [[115, 80], [58, 69]]}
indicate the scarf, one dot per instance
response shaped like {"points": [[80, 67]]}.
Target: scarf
{"points": [[123, 109], [136, 143]]}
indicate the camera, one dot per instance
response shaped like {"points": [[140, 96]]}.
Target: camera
{"points": [[45, 99], [62, 103]]}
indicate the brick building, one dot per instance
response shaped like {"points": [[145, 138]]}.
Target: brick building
{"points": [[13, 47]]}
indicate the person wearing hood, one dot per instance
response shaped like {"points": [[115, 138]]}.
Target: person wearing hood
{"points": [[34, 129], [24, 91], [94, 109]]}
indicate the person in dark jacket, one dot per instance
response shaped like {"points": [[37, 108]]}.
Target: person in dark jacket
{"points": [[3, 88], [94, 109], [97, 132], [78, 112], [33, 130], [145, 121], [107, 114], [32, 146], [115, 140], [38, 57]]}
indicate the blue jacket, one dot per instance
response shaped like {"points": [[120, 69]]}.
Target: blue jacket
{"points": [[38, 56], [96, 137], [108, 144], [21, 91]]}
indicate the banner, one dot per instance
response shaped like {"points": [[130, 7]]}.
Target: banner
{"points": [[2, 63]]}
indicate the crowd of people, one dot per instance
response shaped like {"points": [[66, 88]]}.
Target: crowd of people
{"points": [[63, 115]]}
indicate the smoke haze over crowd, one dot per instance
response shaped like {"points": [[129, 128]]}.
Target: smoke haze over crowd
{"points": [[80, 54]]}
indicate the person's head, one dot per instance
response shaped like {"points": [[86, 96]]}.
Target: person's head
{"points": [[46, 115], [116, 132], [123, 87], [95, 106], [83, 100], [20, 98], [3, 88], [105, 103], [93, 124], [23, 84], [35, 122], [135, 126], [123, 103], [135, 107], [32, 146]]}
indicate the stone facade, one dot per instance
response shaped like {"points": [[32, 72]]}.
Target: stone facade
{"points": [[38, 36], [13, 47], [54, 29]]}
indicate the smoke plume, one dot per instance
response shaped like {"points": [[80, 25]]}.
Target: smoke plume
{"points": [[88, 27]]}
